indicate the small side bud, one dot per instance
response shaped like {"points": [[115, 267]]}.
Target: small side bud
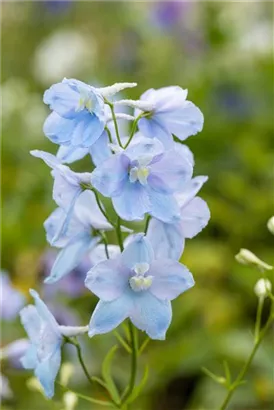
{"points": [[33, 384], [66, 372], [262, 288], [70, 400], [246, 257], [270, 225]]}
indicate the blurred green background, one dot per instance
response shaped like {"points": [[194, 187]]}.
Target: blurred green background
{"points": [[221, 52]]}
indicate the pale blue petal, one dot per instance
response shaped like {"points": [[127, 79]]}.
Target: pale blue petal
{"points": [[164, 207], [139, 250], [88, 212], [152, 129], [47, 370], [69, 154], [170, 279], [108, 315], [144, 150], [31, 321], [59, 129], [133, 202], [100, 150], [70, 256], [194, 217], [51, 160], [29, 360], [66, 187], [172, 170], [108, 279], [110, 176], [167, 240], [44, 313], [185, 152], [93, 130], [190, 190], [63, 99], [151, 314]]}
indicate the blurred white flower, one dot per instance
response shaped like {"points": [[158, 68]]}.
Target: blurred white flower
{"points": [[70, 400], [247, 257], [33, 384], [270, 224], [262, 288], [66, 53], [66, 372], [258, 40]]}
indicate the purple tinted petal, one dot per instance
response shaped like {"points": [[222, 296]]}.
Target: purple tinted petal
{"points": [[139, 250], [133, 202], [194, 217]]}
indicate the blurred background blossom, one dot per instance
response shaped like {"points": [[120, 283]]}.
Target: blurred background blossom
{"points": [[222, 52]]}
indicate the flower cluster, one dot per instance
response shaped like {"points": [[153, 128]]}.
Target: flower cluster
{"points": [[148, 176]]}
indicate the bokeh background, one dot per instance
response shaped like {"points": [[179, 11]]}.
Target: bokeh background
{"points": [[221, 52]]}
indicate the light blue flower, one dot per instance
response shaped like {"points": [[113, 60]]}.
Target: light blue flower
{"points": [[171, 115], [44, 354], [143, 179], [80, 236], [168, 239], [137, 286], [12, 299]]}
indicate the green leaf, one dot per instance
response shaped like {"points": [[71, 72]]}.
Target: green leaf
{"points": [[227, 373], [217, 379], [137, 389], [106, 373]]}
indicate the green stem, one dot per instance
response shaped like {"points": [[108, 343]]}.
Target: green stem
{"points": [[89, 399], [258, 318], [115, 122], [133, 129], [134, 357], [109, 135], [101, 206], [119, 234], [122, 341], [80, 357], [105, 241], [147, 224], [245, 368]]}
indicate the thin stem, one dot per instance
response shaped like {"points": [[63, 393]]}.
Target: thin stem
{"points": [[109, 135], [119, 234], [80, 357], [245, 368], [90, 399], [122, 341], [133, 129], [105, 241], [101, 206], [258, 318], [134, 357], [147, 224], [115, 122], [144, 345]]}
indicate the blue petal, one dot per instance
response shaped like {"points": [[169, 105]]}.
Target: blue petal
{"points": [[44, 313], [47, 370], [48, 158], [151, 314], [167, 240], [133, 202], [185, 152], [68, 154], [29, 360], [110, 176], [164, 207], [70, 256], [59, 129], [172, 170], [144, 148], [93, 130], [139, 250], [63, 99], [108, 279], [108, 315], [100, 150], [194, 217], [170, 279], [31, 321], [190, 190], [152, 129]]}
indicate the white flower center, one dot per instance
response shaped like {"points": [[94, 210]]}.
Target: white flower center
{"points": [[139, 281], [139, 174]]}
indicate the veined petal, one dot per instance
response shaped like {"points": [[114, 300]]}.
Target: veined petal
{"points": [[31, 321], [167, 240], [190, 190], [143, 150], [51, 160], [194, 217], [108, 182], [69, 153], [108, 315], [185, 152], [170, 279], [70, 256], [63, 99], [100, 150], [88, 212], [133, 202], [44, 313], [47, 370], [59, 129], [152, 129], [139, 250], [107, 280], [164, 207], [151, 314]]}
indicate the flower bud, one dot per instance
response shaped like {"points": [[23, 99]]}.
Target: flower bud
{"points": [[65, 373], [262, 288], [34, 385], [246, 257], [70, 400], [270, 224]]}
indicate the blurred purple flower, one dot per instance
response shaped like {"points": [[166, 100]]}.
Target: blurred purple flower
{"points": [[11, 299]]}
